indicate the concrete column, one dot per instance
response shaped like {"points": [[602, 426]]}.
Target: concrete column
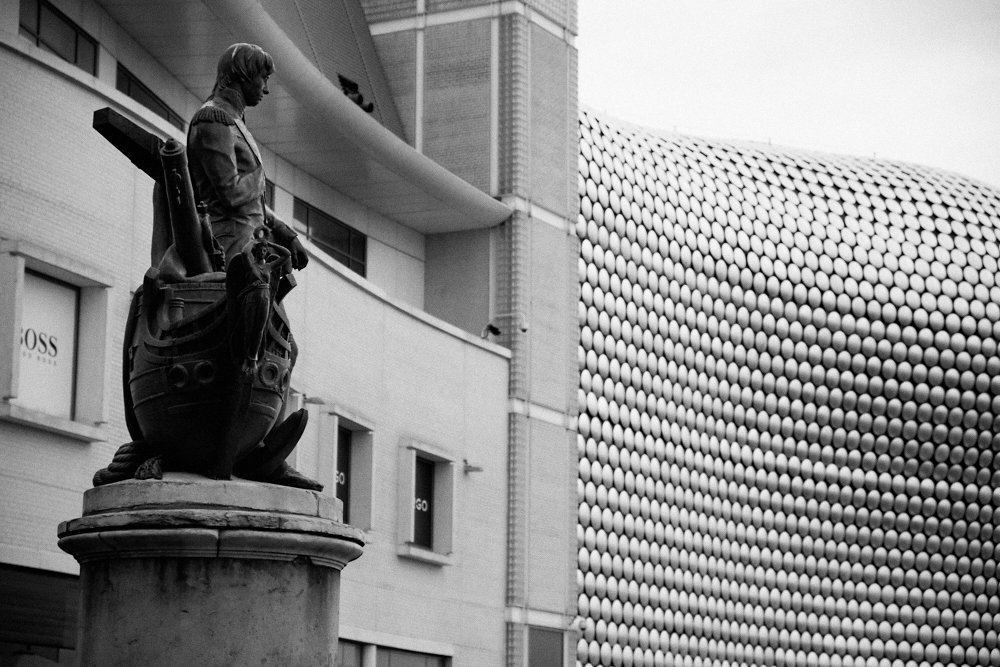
{"points": [[194, 571]]}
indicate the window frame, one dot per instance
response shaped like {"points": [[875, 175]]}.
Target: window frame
{"points": [[89, 409], [35, 34], [443, 507], [309, 217], [29, 271], [126, 81], [530, 647], [358, 509]]}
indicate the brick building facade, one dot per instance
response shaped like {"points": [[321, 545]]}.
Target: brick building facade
{"points": [[396, 366]]}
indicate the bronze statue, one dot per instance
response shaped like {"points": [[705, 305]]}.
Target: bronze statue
{"points": [[224, 159], [208, 352]]}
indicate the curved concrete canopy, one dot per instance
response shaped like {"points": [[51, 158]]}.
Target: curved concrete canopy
{"points": [[306, 119]]}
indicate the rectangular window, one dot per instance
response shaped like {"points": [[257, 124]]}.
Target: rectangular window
{"points": [[349, 654], [423, 503], [394, 657], [38, 608], [426, 497], [342, 242], [129, 84], [545, 647], [350, 464], [343, 476], [269, 192], [49, 317], [53, 341], [51, 30]]}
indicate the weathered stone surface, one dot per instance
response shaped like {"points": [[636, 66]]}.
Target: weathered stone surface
{"points": [[188, 491], [190, 570]]}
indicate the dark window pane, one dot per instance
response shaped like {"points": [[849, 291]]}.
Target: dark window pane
{"points": [[348, 654], [358, 246], [129, 84], [29, 17], [57, 34], [342, 242], [300, 211], [269, 192], [545, 647], [343, 485], [330, 233], [423, 503], [86, 54], [38, 607], [394, 657]]}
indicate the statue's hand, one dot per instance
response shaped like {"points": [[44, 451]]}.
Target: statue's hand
{"points": [[299, 256]]}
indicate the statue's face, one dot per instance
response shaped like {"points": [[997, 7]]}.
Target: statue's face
{"points": [[254, 90]]}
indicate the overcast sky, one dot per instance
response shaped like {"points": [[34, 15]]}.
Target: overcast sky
{"points": [[911, 80]]}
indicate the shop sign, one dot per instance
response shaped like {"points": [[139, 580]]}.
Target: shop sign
{"points": [[48, 345]]}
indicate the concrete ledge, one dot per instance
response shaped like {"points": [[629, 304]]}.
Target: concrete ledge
{"points": [[423, 555], [189, 491], [185, 515]]}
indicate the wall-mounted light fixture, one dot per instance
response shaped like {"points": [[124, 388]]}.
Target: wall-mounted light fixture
{"points": [[491, 329]]}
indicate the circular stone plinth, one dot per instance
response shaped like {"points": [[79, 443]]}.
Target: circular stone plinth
{"points": [[192, 570], [185, 514]]}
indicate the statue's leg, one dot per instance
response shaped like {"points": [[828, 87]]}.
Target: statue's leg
{"points": [[234, 436], [266, 463]]}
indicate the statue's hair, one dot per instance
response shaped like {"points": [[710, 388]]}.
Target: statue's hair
{"points": [[242, 62]]}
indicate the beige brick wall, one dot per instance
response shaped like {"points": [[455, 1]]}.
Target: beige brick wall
{"points": [[457, 99], [397, 51], [364, 345], [410, 379], [457, 287], [383, 10], [552, 110]]}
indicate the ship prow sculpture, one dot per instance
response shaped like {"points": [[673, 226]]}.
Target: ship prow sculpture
{"points": [[208, 352]]}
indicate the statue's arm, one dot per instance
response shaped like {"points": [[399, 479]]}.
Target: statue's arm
{"points": [[213, 145], [286, 237]]}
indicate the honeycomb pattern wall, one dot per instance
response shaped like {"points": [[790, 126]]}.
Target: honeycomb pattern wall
{"points": [[789, 431]]}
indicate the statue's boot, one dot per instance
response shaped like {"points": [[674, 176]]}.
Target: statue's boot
{"points": [[286, 475], [266, 463]]}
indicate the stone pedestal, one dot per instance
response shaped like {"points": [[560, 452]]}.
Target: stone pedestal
{"points": [[192, 571]]}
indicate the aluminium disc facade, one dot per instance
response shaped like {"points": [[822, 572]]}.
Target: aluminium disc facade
{"points": [[789, 407]]}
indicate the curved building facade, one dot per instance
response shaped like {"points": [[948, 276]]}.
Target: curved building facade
{"points": [[789, 399]]}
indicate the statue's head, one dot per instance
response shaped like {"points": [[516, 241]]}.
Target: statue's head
{"points": [[242, 64]]}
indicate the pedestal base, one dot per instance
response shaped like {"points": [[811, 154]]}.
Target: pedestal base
{"points": [[194, 571]]}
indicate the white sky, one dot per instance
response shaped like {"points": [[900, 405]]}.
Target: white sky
{"points": [[911, 80]]}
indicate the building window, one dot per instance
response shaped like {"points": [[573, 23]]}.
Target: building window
{"points": [[342, 242], [352, 482], [342, 480], [129, 84], [427, 483], [545, 647], [53, 321], [394, 657], [355, 654], [269, 192], [50, 313], [349, 654], [38, 615], [51, 30], [423, 502]]}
